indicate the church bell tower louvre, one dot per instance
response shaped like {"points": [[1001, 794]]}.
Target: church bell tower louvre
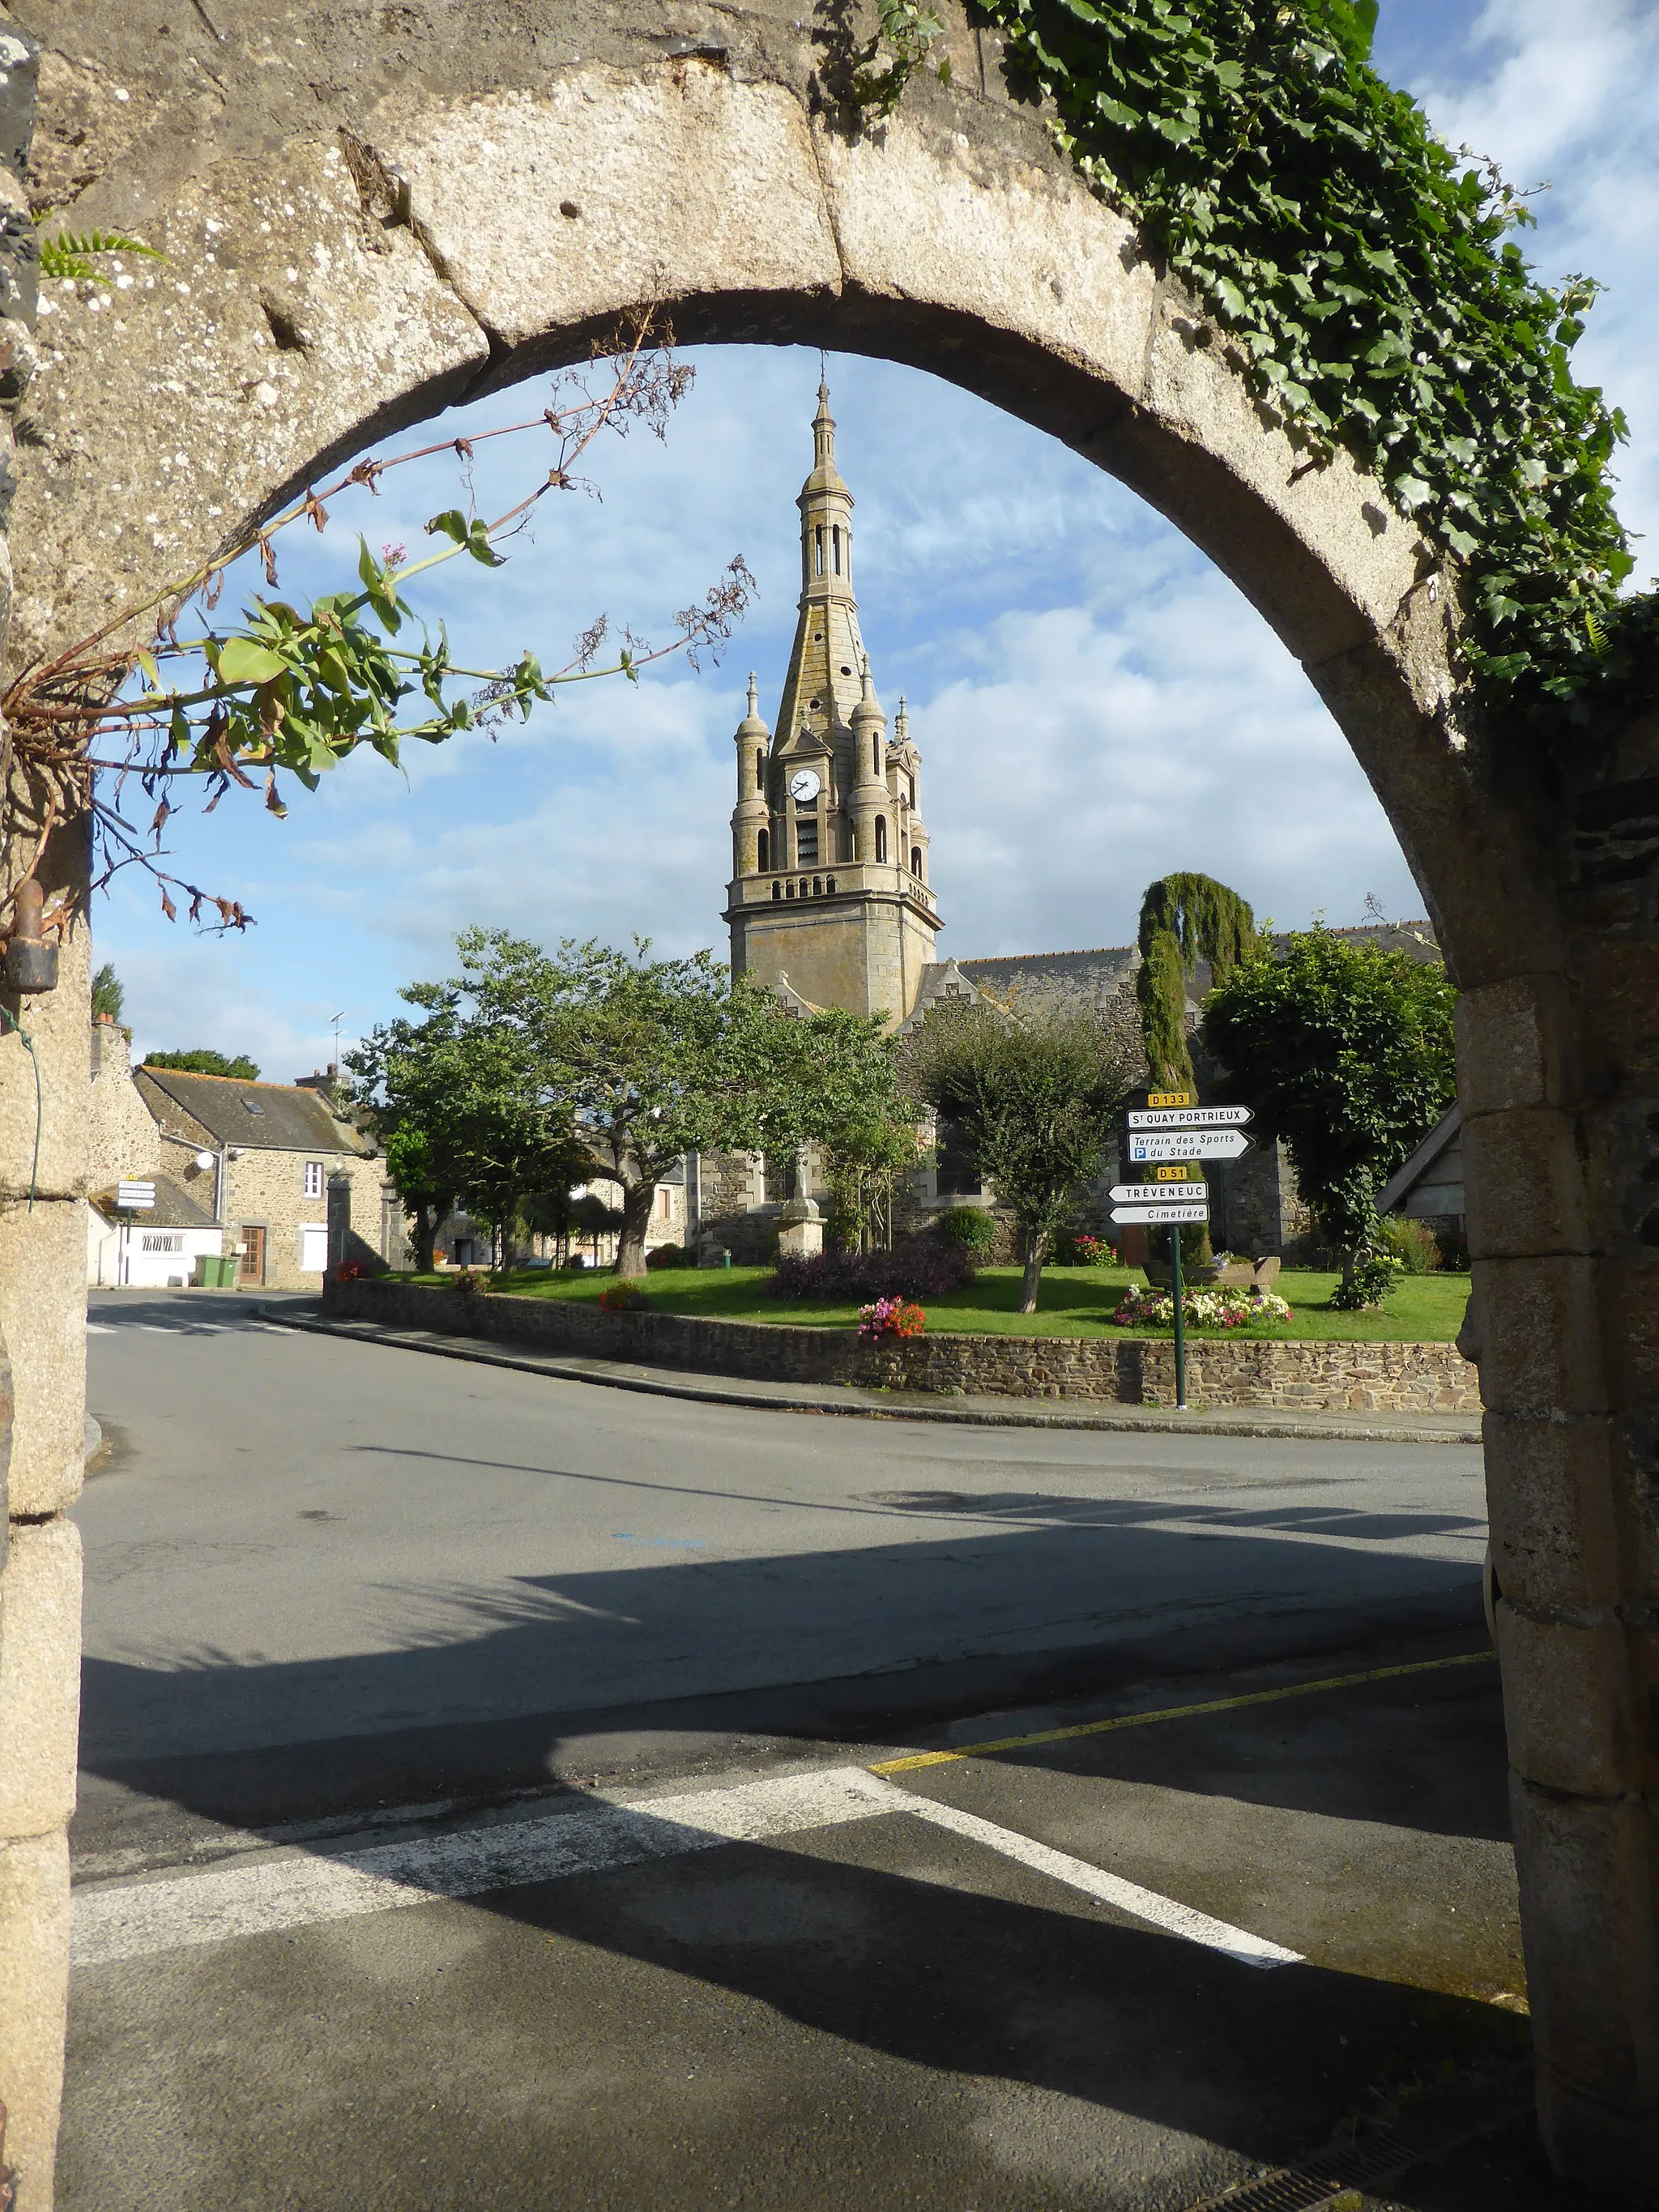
{"points": [[829, 895]]}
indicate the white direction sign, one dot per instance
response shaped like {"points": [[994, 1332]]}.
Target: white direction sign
{"points": [[1191, 1117], [135, 1197], [1161, 1215], [1194, 1145], [1160, 1193]]}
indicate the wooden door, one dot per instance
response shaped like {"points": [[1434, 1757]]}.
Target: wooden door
{"points": [[254, 1252]]}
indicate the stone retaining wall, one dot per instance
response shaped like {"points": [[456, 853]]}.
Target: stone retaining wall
{"points": [[1418, 1378]]}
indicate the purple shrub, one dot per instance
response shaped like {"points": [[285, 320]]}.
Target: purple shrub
{"points": [[922, 1268]]}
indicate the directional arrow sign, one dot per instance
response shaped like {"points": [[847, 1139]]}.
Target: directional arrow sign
{"points": [[1159, 1194], [1155, 1217], [1195, 1145], [135, 1197], [1191, 1117]]}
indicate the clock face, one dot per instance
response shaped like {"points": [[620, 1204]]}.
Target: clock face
{"points": [[804, 787]]}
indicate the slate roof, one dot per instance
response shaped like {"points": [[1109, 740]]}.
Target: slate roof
{"points": [[272, 1117]]}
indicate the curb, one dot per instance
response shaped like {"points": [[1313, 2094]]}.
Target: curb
{"points": [[786, 1398]]}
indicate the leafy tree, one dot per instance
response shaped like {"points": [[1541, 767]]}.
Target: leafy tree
{"points": [[203, 1060], [631, 1052], [108, 996], [457, 1103], [1036, 1097], [1344, 1051]]}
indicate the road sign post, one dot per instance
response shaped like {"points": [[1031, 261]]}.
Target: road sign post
{"points": [[1172, 1129]]}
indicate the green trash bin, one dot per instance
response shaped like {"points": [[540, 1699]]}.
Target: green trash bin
{"points": [[216, 1271]]}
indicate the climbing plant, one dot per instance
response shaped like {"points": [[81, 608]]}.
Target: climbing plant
{"points": [[291, 688], [1364, 279], [1183, 919]]}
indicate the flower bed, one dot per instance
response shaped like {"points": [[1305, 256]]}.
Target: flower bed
{"points": [[1226, 1308], [890, 1317]]}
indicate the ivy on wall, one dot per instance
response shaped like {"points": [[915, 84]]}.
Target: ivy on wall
{"points": [[1365, 275]]}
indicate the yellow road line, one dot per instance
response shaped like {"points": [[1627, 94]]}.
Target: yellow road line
{"points": [[1174, 1713]]}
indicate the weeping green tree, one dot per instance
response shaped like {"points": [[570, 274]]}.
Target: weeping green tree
{"points": [[1184, 920]]}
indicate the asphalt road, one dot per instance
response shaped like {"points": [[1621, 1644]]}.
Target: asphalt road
{"points": [[478, 1802]]}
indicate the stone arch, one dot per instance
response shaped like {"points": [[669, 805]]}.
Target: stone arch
{"points": [[358, 240]]}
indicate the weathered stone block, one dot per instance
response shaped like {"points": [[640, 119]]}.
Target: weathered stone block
{"points": [[1567, 1704], [1517, 1045], [1524, 1184], [1589, 1880], [34, 1939], [39, 1677], [1628, 1296], [607, 188], [43, 1316], [1549, 1489], [1539, 1344]]}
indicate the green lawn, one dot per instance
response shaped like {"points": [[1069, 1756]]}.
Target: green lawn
{"points": [[1074, 1302]]}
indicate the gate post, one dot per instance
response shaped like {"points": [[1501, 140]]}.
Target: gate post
{"points": [[1558, 1077]]}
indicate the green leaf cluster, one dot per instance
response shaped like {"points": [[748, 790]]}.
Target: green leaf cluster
{"points": [[299, 688], [1363, 275], [907, 29], [1346, 1052], [76, 254]]}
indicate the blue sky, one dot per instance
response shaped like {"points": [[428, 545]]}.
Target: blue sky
{"points": [[1071, 662]]}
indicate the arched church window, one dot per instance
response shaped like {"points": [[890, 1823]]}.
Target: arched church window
{"points": [[777, 891], [913, 791], [881, 837], [789, 891], [760, 771], [916, 860], [765, 850], [830, 885], [817, 550], [834, 546], [875, 755], [817, 887]]}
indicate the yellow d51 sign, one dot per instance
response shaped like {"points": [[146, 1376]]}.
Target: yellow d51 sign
{"points": [[1170, 1098]]}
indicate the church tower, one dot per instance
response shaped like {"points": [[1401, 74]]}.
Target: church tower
{"points": [[828, 853]]}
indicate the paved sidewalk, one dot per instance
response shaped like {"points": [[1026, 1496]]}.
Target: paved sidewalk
{"points": [[893, 1404]]}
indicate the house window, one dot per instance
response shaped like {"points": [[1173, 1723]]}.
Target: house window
{"points": [[314, 1178]]}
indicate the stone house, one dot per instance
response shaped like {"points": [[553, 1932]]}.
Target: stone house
{"points": [[159, 1245], [296, 1188]]}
